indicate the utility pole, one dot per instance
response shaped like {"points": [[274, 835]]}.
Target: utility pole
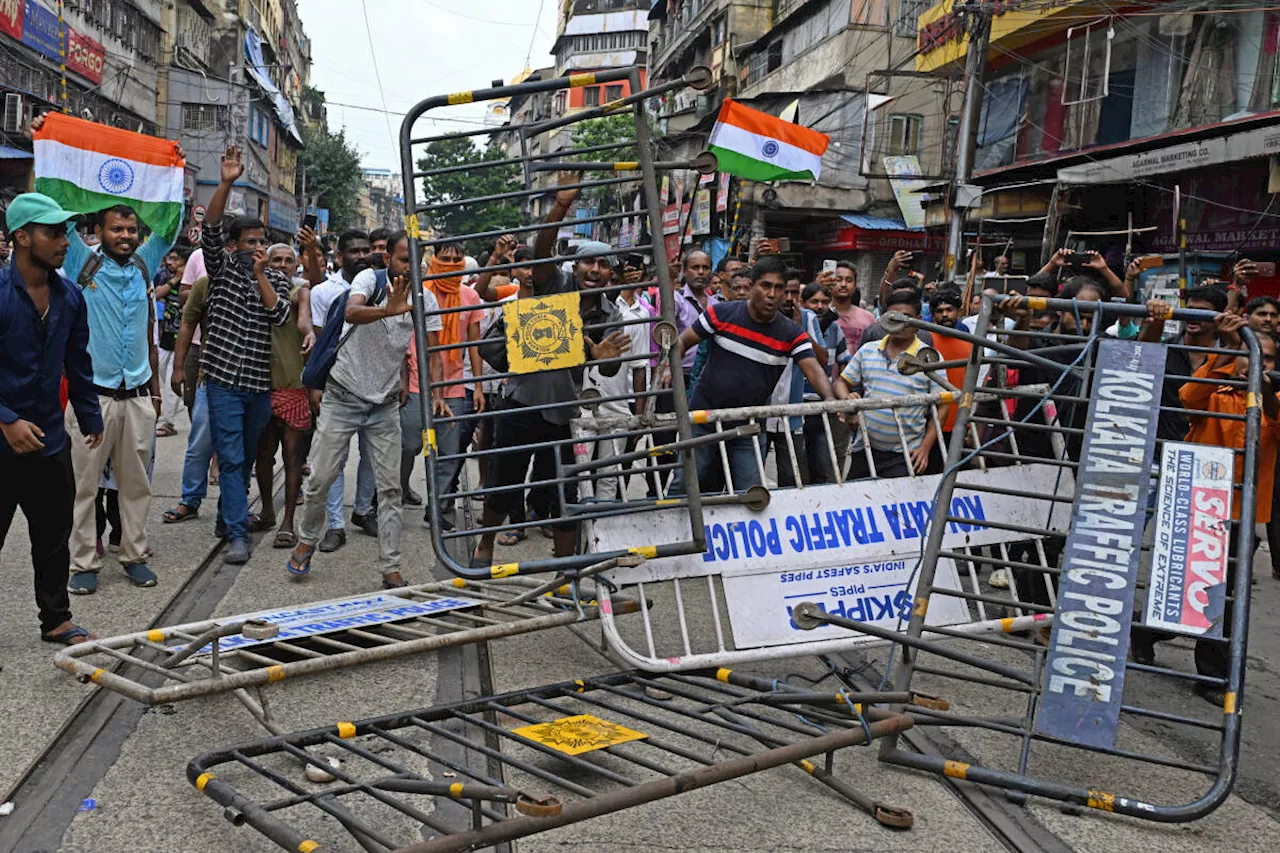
{"points": [[963, 195]]}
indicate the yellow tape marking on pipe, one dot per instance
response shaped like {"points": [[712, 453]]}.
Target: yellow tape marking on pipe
{"points": [[411, 226], [667, 502], [1006, 624], [1102, 800], [275, 673], [202, 780], [966, 402], [428, 440], [921, 608], [955, 769], [722, 674], [626, 166], [461, 98], [308, 845], [455, 790], [807, 766], [649, 552], [613, 105], [505, 570], [1037, 303], [585, 79], [947, 397], [96, 673], [459, 583], [1229, 703], [155, 635], [582, 685], [346, 730], [698, 417], [1251, 400]]}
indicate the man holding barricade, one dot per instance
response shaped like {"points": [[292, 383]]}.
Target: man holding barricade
{"points": [[751, 344], [536, 408]]}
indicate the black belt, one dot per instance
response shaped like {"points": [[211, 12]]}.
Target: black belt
{"points": [[123, 393]]}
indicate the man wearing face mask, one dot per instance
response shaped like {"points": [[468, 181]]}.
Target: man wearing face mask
{"points": [[378, 248], [246, 300], [355, 254]]}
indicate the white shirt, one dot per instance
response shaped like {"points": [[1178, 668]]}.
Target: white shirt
{"points": [[323, 294], [622, 383]]}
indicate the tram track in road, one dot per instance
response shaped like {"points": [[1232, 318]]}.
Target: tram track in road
{"points": [[52, 787], [1006, 820]]}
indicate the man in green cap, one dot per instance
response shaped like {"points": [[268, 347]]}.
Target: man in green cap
{"points": [[44, 335]]}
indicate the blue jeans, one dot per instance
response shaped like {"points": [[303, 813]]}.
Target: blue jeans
{"points": [[366, 487], [237, 419], [195, 469], [743, 466]]}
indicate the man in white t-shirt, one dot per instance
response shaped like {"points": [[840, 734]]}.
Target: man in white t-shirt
{"points": [[363, 396]]}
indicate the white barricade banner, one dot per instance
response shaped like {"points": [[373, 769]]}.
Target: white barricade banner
{"points": [[857, 523]]}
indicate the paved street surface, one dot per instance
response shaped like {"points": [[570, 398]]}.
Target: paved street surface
{"points": [[142, 801]]}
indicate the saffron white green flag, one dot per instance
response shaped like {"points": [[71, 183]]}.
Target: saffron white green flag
{"points": [[87, 167], [761, 147]]}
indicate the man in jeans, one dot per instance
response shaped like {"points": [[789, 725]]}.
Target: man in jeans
{"points": [[246, 300], [44, 335], [751, 344], [364, 392]]}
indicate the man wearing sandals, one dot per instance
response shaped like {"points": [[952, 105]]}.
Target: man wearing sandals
{"points": [[363, 395], [44, 334]]}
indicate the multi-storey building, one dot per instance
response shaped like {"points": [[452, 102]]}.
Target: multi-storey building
{"points": [[381, 199]]}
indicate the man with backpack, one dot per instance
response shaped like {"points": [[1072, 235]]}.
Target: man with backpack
{"points": [[362, 373]]}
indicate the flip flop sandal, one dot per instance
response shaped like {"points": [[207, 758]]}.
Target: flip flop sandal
{"points": [[512, 537], [299, 569], [181, 512], [390, 584], [165, 431], [67, 637], [285, 539]]}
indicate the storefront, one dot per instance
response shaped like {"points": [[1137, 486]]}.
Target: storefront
{"points": [[869, 242]]}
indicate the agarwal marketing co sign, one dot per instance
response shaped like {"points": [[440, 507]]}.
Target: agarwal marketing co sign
{"points": [[942, 36]]}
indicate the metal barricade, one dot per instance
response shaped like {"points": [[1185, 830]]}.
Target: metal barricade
{"points": [[538, 759], [851, 545], [561, 332], [251, 651], [1163, 460]]}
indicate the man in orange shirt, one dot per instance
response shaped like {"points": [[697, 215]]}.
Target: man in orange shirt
{"points": [[1212, 655]]}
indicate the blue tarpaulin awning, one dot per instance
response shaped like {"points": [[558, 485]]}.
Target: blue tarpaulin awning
{"points": [[7, 153], [876, 223]]}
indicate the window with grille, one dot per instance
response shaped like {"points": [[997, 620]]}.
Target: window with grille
{"points": [[591, 96], [612, 93], [203, 118], [908, 21]]}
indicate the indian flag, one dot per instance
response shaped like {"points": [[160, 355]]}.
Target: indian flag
{"points": [[87, 167], [760, 147]]}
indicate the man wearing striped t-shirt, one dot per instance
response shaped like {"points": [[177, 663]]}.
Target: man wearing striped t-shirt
{"points": [[750, 346], [874, 370]]}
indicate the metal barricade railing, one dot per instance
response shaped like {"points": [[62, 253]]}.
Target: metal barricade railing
{"points": [[1163, 441], [537, 759], [851, 545], [563, 330]]}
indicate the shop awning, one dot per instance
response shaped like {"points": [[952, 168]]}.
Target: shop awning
{"points": [[865, 233], [658, 11], [7, 153]]}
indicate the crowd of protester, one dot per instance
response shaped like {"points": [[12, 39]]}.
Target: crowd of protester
{"points": [[290, 351]]}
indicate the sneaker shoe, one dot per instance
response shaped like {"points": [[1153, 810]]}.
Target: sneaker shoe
{"points": [[333, 540], [237, 552], [83, 583], [140, 575], [368, 524]]}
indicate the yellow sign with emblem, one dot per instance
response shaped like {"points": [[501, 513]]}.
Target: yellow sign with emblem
{"points": [[544, 333], [576, 735]]}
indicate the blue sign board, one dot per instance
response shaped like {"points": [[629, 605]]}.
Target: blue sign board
{"points": [[40, 30], [1084, 670]]}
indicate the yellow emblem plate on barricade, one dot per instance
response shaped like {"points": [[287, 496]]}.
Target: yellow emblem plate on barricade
{"points": [[544, 333], [576, 735]]}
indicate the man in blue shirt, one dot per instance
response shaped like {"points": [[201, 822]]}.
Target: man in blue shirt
{"points": [[44, 334], [115, 281]]}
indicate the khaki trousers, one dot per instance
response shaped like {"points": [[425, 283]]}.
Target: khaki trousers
{"points": [[129, 428]]}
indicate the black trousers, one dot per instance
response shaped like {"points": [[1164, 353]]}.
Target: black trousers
{"points": [[43, 486]]}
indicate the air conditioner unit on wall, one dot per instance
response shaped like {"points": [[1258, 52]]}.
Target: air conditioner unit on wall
{"points": [[13, 113]]}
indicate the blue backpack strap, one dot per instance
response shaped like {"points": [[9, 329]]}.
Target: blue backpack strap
{"points": [[379, 286]]}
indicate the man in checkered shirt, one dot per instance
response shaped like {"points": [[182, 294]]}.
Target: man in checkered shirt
{"points": [[246, 298]]}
